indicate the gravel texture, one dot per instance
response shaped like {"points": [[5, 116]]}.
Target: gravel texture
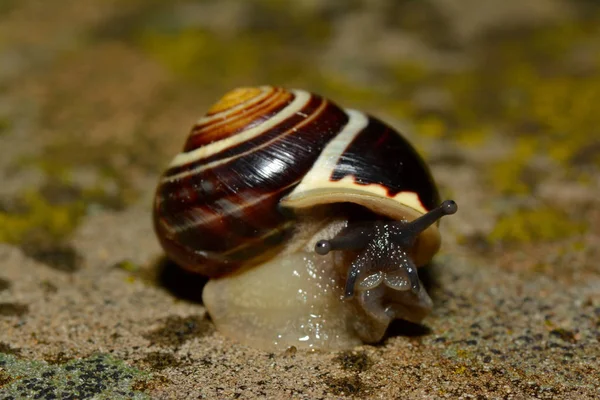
{"points": [[501, 99]]}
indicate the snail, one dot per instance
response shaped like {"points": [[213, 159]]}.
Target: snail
{"points": [[310, 220]]}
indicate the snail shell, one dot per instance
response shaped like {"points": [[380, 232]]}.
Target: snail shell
{"points": [[269, 182]]}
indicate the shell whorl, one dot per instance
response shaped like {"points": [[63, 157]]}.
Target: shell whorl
{"points": [[218, 201], [218, 204]]}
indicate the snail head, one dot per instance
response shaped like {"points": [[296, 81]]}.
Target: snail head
{"points": [[384, 253]]}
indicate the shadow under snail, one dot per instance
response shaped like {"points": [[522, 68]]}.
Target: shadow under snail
{"points": [[310, 220]]}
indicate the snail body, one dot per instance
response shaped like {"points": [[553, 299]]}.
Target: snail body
{"points": [[298, 211]]}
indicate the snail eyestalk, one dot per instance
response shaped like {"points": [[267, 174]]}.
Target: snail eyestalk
{"points": [[384, 250], [353, 237], [411, 230]]}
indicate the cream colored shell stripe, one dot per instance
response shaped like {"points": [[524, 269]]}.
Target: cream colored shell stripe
{"points": [[316, 185], [222, 116], [295, 107]]}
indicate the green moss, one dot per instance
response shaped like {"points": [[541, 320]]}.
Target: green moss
{"points": [[40, 219], [179, 53], [546, 96], [539, 95], [345, 92], [460, 370], [474, 136], [510, 176], [99, 376], [410, 75], [127, 265], [48, 215], [432, 126], [107, 164], [276, 49], [52, 212], [295, 21], [541, 224], [544, 86], [7, 5], [206, 58], [5, 125]]}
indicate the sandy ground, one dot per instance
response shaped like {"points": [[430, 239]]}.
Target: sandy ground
{"points": [[97, 96]]}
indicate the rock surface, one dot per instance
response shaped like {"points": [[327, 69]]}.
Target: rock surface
{"points": [[501, 99]]}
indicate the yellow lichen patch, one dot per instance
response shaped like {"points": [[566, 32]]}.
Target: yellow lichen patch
{"points": [[569, 109], [474, 136], [50, 213], [544, 86], [548, 93], [39, 218], [5, 125], [460, 370], [346, 93], [109, 183], [127, 265], [471, 95], [400, 108], [219, 61], [409, 74], [201, 56], [539, 224], [432, 126], [508, 175], [461, 353]]}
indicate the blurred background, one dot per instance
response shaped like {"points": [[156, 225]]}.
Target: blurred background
{"points": [[500, 97]]}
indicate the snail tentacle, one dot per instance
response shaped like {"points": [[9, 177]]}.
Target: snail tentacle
{"points": [[353, 237], [406, 233]]}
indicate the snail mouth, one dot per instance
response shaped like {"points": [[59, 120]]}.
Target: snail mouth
{"points": [[397, 280], [387, 286]]}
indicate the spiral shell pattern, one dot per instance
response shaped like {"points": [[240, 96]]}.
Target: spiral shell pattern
{"points": [[228, 198]]}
